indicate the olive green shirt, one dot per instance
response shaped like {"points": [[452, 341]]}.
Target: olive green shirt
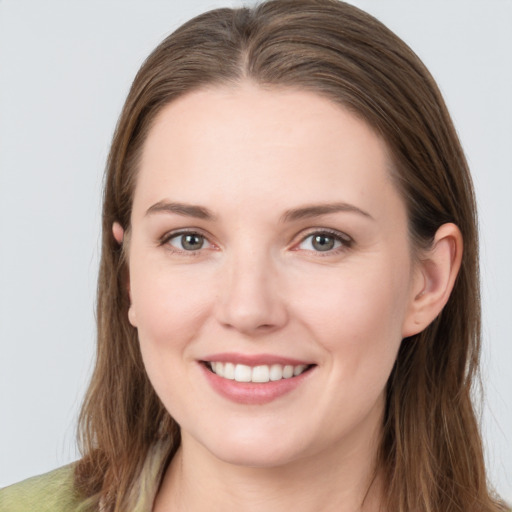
{"points": [[52, 492], [55, 491]]}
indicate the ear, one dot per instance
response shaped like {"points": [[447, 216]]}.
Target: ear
{"points": [[118, 232], [434, 278]]}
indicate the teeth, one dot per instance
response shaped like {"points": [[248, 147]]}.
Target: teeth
{"points": [[242, 373], [219, 369], [229, 371], [261, 373], [297, 370], [276, 372], [288, 371]]}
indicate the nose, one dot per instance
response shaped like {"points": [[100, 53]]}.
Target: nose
{"points": [[251, 299]]}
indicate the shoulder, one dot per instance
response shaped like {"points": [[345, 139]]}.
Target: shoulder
{"points": [[52, 491]]}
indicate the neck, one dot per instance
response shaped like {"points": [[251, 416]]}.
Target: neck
{"points": [[342, 480]]}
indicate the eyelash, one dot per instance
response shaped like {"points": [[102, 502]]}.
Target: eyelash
{"points": [[345, 241], [176, 234]]}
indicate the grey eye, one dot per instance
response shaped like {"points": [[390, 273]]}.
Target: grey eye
{"points": [[323, 242], [320, 242], [188, 241]]}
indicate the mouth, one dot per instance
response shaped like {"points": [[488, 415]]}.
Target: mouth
{"points": [[256, 374], [255, 379]]}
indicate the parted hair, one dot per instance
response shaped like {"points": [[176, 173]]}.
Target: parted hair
{"points": [[431, 451]]}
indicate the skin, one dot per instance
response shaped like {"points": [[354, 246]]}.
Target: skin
{"points": [[259, 286]]}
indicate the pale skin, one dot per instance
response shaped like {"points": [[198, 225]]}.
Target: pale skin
{"points": [[337, 286]]}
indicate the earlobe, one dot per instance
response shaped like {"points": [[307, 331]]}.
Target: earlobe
{"points": [[131, 316], [118, 232], [435, 278]]}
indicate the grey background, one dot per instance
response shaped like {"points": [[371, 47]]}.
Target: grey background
{"points": [[65, 69]]}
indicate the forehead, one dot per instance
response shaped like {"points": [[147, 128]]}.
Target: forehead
{"points": [[246, 142]]}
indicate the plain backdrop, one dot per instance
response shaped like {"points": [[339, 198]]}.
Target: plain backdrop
{"points": [[65, 69]]}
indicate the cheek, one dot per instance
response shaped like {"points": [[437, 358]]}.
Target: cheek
{"points": [[357, 317], [168, 307], [355, 300]]}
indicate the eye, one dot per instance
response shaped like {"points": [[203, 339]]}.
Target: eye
{"points": [[188, 241], [324, 241]]}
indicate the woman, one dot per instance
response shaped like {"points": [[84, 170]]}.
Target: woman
{"points": [[288, 295]]}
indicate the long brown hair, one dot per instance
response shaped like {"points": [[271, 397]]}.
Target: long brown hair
{"points": [[431, 451]]}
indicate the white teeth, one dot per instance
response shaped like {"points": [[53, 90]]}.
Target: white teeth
{"points": [[287, 371], [229, 371], [243, 373], [260, 373], [297, 370], [276, 372], [219, 369]]}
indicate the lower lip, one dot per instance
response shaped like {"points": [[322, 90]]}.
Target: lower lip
{"points": [[252, 393]]}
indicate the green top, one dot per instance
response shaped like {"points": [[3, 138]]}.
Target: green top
{"points": [[55, 492], [52, 492]]}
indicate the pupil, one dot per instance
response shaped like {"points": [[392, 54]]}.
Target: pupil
{"points": [[323, 242], [192, 242]]}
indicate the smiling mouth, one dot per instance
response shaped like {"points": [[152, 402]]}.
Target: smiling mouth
{"points": [[257, 374]]}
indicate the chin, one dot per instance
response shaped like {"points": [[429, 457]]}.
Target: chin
{"points": [[255, 457], [255, 450]]}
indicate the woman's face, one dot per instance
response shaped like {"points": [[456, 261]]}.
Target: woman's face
{"points": [[270, 273]]}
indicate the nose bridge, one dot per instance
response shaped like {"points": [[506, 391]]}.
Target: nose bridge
{"points": [[251, 299]]}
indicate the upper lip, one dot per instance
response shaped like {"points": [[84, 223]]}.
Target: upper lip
{"points": [[254, 359]]}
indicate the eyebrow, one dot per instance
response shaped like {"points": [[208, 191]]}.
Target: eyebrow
{"points": [[307, 212], [187, 210]]}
